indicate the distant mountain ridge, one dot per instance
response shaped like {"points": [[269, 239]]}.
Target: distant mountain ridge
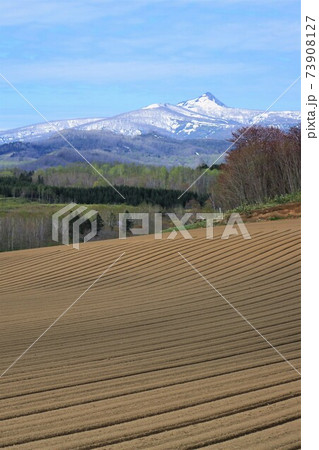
{"points": [[107, 147], [204, 117]]}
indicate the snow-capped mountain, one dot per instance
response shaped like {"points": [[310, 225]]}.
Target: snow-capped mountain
{"points": [[202, 117], [41, 130]]}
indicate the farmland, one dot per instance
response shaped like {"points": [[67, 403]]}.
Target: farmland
{"points": [[151, 356]]}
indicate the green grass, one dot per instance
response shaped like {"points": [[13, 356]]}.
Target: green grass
{"points": [[25, 207], [279, 200], [274, 218]]}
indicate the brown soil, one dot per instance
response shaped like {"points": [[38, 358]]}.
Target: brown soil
{"points": [[285, 211], [151, 356]]}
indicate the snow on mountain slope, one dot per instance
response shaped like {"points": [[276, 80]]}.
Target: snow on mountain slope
{"points": [[161, 118], [202, 117], [41, 130], [207, 104], [210, 106]]}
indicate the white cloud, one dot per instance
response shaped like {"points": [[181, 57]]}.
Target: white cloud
{"points": [[20, 12], [231, 36], [100, 72]]}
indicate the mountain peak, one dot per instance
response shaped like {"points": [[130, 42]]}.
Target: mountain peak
{"points": [[211, 97], [207, 104]]}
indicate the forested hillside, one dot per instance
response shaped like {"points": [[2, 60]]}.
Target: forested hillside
{"points": [[106, 147]]}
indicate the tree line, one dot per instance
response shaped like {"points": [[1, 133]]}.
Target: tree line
{"points": [[147, 176], [263, 164], [23, 186]]}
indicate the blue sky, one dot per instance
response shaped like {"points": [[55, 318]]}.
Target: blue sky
{"points": [[98, 58]]}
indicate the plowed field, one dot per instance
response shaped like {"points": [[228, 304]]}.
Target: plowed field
{"points": [[151, 356]]}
